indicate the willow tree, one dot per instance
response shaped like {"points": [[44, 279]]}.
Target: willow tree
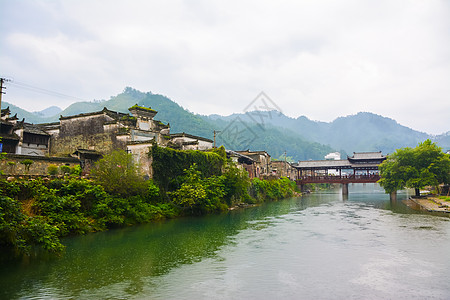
{"points": [[425, 165]]}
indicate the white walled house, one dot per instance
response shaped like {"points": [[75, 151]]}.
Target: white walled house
{"points": [[190, 142]]}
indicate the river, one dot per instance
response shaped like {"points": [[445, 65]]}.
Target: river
{"points": [[320, 246]]}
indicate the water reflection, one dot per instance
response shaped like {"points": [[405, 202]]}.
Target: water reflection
{"points": [[282, 249]]}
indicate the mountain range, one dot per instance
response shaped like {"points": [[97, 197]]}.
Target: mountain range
{"points": [[300, 138]]}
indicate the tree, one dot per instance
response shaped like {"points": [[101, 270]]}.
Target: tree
{"points": [[27, 163], [425, 165], [201, 195], [119, 174]]}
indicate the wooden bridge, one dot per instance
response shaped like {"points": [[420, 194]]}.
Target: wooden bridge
{"points": [[362, 167], [339, 179]]}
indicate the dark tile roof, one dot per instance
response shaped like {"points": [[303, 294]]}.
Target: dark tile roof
{"points": [[9, 136], [241, 157], [367, 155], [5, 111], [174, 135], [33, 129], [87, 151], [113, 114]]}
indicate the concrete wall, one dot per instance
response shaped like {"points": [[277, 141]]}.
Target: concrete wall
{"points": [[12, 166]]}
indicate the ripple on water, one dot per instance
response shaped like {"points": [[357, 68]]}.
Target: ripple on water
{"points": [[315, 247]]}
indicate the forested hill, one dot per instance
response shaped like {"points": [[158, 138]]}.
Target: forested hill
{"points": [[301, 137], [361, 132], [274, 140]]}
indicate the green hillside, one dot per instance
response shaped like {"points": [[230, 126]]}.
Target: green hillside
{"points": [[274, 140], [355, 133], [301, 137], [22, 113]]}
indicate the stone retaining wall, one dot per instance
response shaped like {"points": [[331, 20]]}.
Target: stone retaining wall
{"points": [[12, 165]]}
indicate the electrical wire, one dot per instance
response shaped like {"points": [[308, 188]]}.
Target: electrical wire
{"points": [[29, 87]]}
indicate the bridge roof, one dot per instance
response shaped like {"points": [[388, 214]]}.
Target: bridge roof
{"points": [[367, 155], [323, 164]]}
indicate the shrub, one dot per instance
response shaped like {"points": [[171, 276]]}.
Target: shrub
{"points": [[76, 170], [65, 169], [52, 170], [119, 174], [169, 165], [22, 232], [27, 163]]}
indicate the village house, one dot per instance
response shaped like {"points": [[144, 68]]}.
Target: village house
{"points": [[262, 162], [243, 162], [282, 168], [89, 136], [22, 138], [104, 131], [333, 156], [186, 141]]}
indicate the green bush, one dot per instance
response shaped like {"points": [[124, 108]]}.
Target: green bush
{"points": [[27, 163], [22, 232], [76, 170], [263, 190], [119, 174], [65, 169], [169, 165], [52, 170], [200, 195], [236, 185]]}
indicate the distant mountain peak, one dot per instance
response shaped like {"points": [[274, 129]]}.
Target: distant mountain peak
{"points": [[48, 112]]}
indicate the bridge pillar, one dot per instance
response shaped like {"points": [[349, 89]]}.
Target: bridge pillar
{"points": [[302, 188], [345, 189]]}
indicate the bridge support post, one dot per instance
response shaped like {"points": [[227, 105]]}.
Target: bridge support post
{"points": [[302, 188], [345, 189]]}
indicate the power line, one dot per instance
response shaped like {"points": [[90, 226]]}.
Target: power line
{"points": [[29, 87]]}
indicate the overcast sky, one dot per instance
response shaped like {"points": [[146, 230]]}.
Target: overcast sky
{"points": [[321, 59]]}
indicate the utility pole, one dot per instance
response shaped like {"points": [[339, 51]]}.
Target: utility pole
{"points": [[2, 80], [1, 91], [215, 137]]}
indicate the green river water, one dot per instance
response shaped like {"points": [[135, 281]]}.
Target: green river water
{"points": [[320, 246]]}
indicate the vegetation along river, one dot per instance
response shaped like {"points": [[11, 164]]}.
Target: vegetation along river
{"points": [[319, 246]]}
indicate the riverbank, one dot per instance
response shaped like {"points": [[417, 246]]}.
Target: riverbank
{"points": [[430, 203], [39, 212]]}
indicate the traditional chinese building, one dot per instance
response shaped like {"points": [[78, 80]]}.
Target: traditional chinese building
{"points": [[186, 141], [22, 138], [262, 162], [89, 136], [243, 161], [282, 168]]}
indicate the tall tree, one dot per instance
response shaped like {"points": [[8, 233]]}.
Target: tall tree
{"points": [[425, 165], [119, 174]]}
